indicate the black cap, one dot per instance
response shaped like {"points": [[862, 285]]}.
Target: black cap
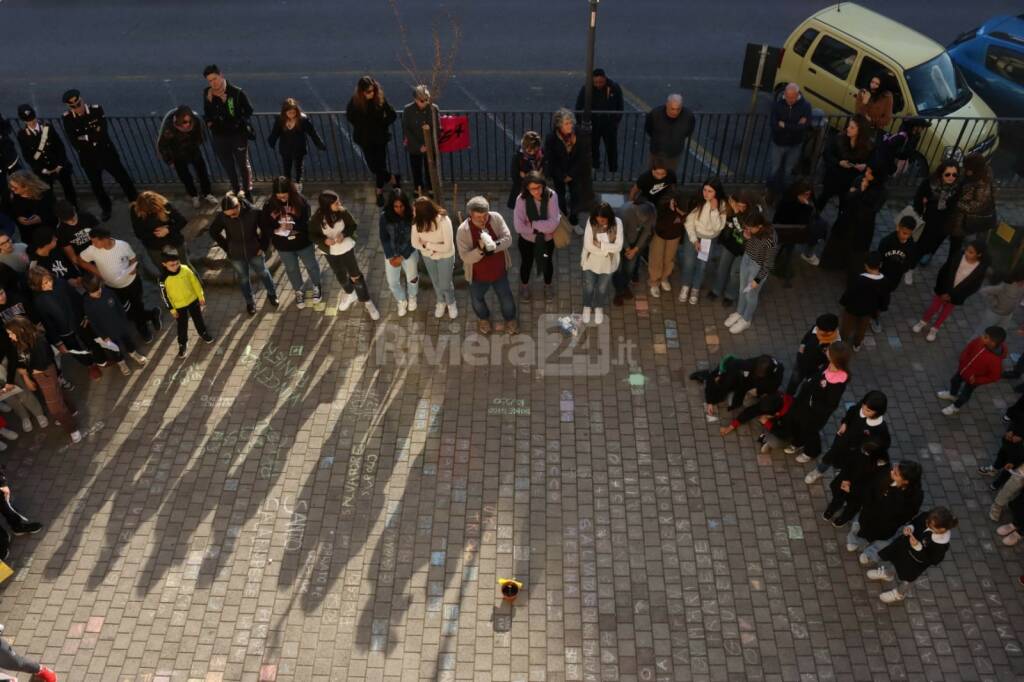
{"points": [[873, 260], [70, 95], [827, 322], [599, 72], [26, 112]]}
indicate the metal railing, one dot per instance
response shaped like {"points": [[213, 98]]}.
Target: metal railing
{"points": [[735, 147]]}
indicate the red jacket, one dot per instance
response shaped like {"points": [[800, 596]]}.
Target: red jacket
{"points": [[979, 365]]}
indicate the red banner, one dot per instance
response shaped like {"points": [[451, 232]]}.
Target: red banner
{"points": [[454, 134]]}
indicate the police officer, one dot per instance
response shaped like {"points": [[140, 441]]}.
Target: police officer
{"points": [[227, 110], [86, 129], [43, 150]]}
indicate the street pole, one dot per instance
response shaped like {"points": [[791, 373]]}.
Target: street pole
{"points": [[585, 182], [748, 131]]}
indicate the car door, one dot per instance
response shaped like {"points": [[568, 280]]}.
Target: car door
{"points": [[828, 72]]}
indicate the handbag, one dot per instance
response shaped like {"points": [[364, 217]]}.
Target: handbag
{"points": [[563, 233], [908, 210]]}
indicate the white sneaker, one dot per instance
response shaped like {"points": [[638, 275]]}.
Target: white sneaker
{"points": [[3, 446], [864, 559], [812, 476], [684, 293], [453, 311], [802, 458], [655, 292], [791, 450], [739, 326], [731, 320], [8, 434], [908, 277], [811, 260], [919, 326], [195, 202], [877, 574], [598, 315], [403, 308], [933, 333], [42, 421], [694, 297], [852, 548], [372, 309], [123, 366], [945, 395], [346, 301], [950, 410], [76, 436], [26, 425], [439, 310], [665, 285], [412, 303], [586, 315], [141, 359], [891, 597], [212, 200]]}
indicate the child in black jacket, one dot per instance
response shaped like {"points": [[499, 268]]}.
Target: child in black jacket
{"points": [[863, 422], [854, 473], [1009, 457], [958, 279], [866, 295], [816, 400], [811, 356], [734, 378], [899, 255], [922, 543]]}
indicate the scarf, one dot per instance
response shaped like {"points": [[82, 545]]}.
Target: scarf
{"points": [[943, 193], [531, 162], [533, 212], [568, 140]]}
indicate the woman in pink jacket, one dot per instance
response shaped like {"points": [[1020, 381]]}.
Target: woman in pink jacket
{"points": [[535, 217]]}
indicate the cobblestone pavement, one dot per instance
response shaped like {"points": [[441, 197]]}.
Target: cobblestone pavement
{"points": [[313, 498]]}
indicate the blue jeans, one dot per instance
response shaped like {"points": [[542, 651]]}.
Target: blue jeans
{"points": [[259, 265], [870, 548], [784, 160], [727, 275], [691, 266], [290, 260], [595, 289], [747, 302], [393, 274], [478, 294], [624, 275], [440, 272]]}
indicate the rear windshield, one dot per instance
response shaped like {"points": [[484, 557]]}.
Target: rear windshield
{"points": [[937, 88]]}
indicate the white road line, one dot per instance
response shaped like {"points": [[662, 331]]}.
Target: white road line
{"points": [[480, 105], [170, 93]]}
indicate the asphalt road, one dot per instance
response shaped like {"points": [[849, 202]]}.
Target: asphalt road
{"points": [[138, 57]]}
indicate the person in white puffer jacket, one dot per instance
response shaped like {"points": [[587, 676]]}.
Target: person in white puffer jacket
{"points": [[602, 246]]}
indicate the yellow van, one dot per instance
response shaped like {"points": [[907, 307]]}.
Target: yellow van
{"points": [[835, 52]]}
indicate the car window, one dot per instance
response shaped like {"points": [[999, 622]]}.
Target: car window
{"points": [[869, 68], [937, 87], [804, 41], [835, 57], [1006, 62]]}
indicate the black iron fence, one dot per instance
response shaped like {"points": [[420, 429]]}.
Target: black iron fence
{"points": [[735, 147]]}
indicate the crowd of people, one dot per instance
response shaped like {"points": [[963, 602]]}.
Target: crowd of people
{"points": [[71, 291]]}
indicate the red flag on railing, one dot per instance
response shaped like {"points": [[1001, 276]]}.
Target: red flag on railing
{"points": [[454, 134]]}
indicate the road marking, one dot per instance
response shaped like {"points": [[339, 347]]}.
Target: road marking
{"points": [[170, 93], [480, 105], [696, 149]]}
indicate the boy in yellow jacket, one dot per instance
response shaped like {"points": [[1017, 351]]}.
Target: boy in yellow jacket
{"points": [[183, 294]]}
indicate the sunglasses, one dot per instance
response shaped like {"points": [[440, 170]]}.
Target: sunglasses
{"points": [[950, 175], [74, 103]]}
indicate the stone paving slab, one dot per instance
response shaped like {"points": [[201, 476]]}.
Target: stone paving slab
{"points": [[319, 497]]}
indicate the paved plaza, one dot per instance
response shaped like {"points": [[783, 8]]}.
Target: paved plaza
{"points": [[320, 497]]}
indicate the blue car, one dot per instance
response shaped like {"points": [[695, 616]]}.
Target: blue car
{"points": [[991, 59]]}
